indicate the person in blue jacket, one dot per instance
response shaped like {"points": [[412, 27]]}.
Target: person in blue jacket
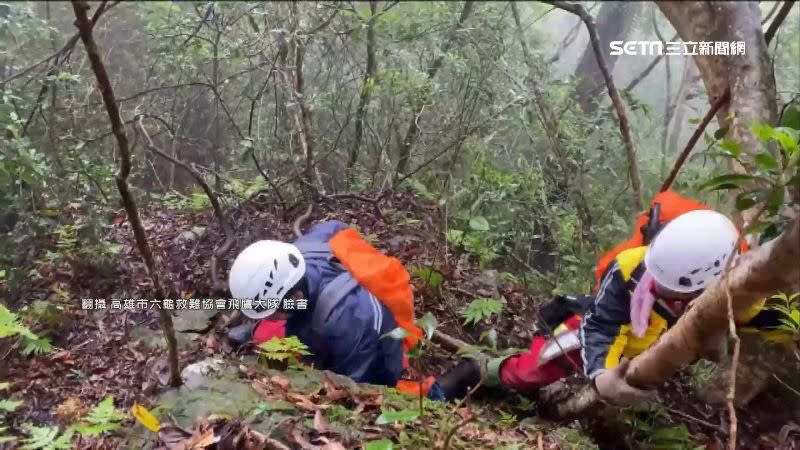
{"points": [[278, 277]]}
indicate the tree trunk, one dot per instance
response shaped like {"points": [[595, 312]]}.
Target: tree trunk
{"points": [[363, 100], [749, 77], [407, 145], [614, 21]]}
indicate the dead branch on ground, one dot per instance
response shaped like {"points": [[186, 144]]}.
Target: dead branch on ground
{"points": [[80, 8]]}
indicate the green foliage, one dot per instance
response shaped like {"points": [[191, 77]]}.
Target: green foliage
{"points": [[7, 406], [672, 438], [475, 240], [197, 201], [789, 307], [572, 439], [47, 438], [283, 350], [383, 444], [428, 323], [430, 276], [481, 309], [646, 430], [507, 419], [11, 326], [700, 374], [768, 173], [102, 418], [389, 415]]}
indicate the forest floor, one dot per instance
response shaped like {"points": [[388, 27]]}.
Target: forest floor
{"points": [[107, 352]]}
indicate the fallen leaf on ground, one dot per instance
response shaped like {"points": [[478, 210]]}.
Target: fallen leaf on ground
{"points": [[464, 413], [332, 391], [281, 381], [71, 409], [320, 423], [145, 417], [332, 445], [173, 436], [304, 403], [291, 429]]}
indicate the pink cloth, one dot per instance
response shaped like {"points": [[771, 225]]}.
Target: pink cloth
{"points": [[642, 302]]}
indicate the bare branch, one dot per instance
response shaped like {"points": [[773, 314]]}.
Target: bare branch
{"points": [[773, 27], [66, 48], [624, 125], [225, 224], [80, 8], [298, 223], [693, 140]]}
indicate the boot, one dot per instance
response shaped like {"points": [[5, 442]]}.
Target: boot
{"points": [[243, 333]]}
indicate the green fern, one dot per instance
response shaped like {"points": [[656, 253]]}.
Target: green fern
{"points": [[480, 309], [102, 418], [10, 325], [47, 438], [36, 346]]}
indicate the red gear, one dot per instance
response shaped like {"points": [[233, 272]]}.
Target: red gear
{"points": [[268, 329], [523, 373]]}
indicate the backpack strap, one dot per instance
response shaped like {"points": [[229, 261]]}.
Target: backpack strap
{"points": [[330, 296], [315, 250]]}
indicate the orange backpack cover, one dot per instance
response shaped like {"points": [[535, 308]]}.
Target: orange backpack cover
{"points": [[383, 276], [672, 206]]}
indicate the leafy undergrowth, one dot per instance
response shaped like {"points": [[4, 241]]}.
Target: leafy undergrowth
{"points": [[342, 416], [99, 354]]}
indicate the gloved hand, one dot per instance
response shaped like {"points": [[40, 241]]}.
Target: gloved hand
{"points": [[478, 368], [613, 388]]}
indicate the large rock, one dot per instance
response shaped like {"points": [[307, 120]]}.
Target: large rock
{"points": [[195, 375], [194, 320]]}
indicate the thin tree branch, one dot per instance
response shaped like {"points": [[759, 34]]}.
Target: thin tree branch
{"points": [[635, 82], [298, 223], [773, 27], [104, 7], [693, 140], [225, 224], [624, 125], [80, 8]]}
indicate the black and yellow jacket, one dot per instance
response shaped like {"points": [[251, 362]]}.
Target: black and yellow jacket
{"points": [[606, 334]]}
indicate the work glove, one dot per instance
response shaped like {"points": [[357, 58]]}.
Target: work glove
{"points": [[478, 368], [613, 388]]}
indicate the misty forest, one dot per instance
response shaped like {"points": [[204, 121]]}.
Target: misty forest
{"points": [[489, 153]]}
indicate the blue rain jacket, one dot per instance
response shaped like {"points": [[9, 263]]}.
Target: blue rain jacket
{"points": [[349, 343]]}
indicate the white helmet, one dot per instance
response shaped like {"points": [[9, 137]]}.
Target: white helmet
{"points": [[265, 270], [691, 251]]}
